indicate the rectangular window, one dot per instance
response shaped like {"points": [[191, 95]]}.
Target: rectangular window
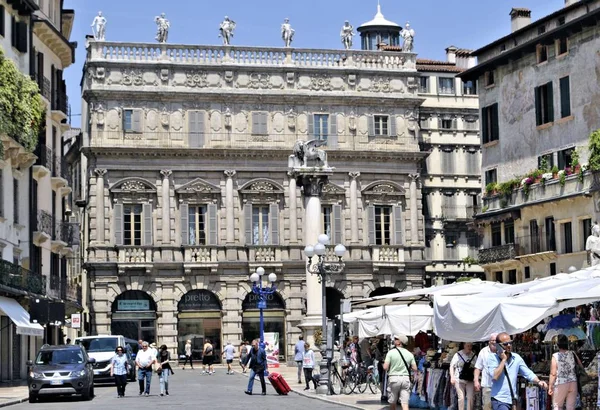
{"points": [[321, 126], [383, 225], [544, 108], [496, 234], [488, 78], [564, 158], [541, 53], [445, 85], [132, 225], [381, 125], [512, 277], [509, 232], [197, 225], [16, 200], [259, 123], [562, 46], [490, 129], [423, 84], [553, 269], [491, 176], [561, 20], [2, 22], [499, 277], [128, 120], [326, 222], [565, 97], [469, 88], [567, 238], [541, 30], [447, 124], [546, 162], [502, 47], [586, 231], [527, 272], [260, 225]]}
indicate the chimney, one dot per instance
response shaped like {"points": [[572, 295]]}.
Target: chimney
{"points": [[520, 17], [451, 54]]}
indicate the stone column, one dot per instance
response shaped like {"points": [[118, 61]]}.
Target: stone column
{"points": [[230, 173], [414, 212], [293, 209], [100, 205], [354, 205], [166, 207]]}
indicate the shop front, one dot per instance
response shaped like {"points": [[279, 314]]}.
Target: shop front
{"points": [[199, 319], [274, 320], [134, 316]]}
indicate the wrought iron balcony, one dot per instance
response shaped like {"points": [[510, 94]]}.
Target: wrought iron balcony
{"points": [[70, 292], [17, 277], [68, 232], [45, 223], [497, 254], [534, 244], [45, 157], [60, 102]]}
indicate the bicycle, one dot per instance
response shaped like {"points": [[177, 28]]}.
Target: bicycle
{"points": [[367, 378], [342, 384]]}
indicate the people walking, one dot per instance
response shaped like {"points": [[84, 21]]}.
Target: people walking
{"points": [[229, 353], [398, 364], [308, 364], [165, 367], [257, 362], [188, 354], [505, 366], [481, 366], [119, 369], [563, 378], [299, 356], [462, 375], [144, 361], [243, 355], [208, 358]]}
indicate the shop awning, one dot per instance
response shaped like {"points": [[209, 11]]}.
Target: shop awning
{"points": [[20, 317]]}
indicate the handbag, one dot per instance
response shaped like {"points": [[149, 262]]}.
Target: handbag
{"points": [[467, 373], [512, 393], [582, 376]]}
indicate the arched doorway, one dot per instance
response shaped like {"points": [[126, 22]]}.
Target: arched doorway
{"points": [[333, 308], [384, 290], [274, 320], [134, 316], [199, 319]]}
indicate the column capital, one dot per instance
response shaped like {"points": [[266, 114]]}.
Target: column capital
{"points": [[230, 173], [414, 177], [354, 174], [313, 184], [166, 173], [100, 172]]}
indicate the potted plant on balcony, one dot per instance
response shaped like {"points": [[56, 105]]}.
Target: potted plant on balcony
{"points": [[491, 189], [554, 172]]}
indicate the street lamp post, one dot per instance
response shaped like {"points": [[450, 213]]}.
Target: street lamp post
{"points": [[323, 269], [262, 293]]}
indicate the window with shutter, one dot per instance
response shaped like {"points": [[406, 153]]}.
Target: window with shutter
{"points": [[338, 227], [118, 224], [371, 125], [371, 224], [383, 233], [22, 39], [332, 139], [196, 121], [197, 225], [137, 121], [393, 126], [185, 231], [381, 125], [260, 225], [259, 123], [311, 125], [327, 220], [274, 216], [565, 97], [212, 224], [398, 231], [248, 224], [321, 126], [544, 104], [147, 213], [128, 120]]}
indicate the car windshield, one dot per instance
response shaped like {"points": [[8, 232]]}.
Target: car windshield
{"points": [[53, 357], [99, 344]]}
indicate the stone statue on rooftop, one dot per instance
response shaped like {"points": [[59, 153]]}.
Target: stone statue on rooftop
{"points": [[592, 246], [226, 30], [307, 154], [408, 34], [347, 34], [287, 32], [99, 27], [162, 28]]}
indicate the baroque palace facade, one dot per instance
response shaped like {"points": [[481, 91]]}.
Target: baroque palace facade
{"points": [[188, 190]]}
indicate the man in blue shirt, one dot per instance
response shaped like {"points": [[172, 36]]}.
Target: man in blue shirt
{"points": [[258, 364], [299, 356], [501, 363]]}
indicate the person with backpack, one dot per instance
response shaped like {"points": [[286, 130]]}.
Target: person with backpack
{"points": [[208, 358], [462, 375], [398, 364]]}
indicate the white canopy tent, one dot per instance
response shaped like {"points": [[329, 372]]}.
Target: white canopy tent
{"points": [[471, 287], [408, 320], [475, 318]]}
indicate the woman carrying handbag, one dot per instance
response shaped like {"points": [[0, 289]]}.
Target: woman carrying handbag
{"points": [[563, 375], [164, 371]]}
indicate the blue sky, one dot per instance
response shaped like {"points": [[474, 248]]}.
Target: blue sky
{"points": [[437, 23]]}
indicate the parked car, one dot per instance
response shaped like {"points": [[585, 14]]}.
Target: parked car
{"points": [[102, 348], [61, 370]]}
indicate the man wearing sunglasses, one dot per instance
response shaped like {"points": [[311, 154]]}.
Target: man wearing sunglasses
{"points": [[481, 367], [144, 360], [504, 367]]}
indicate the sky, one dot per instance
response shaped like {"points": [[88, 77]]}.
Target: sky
{"points": [[438, 24]]}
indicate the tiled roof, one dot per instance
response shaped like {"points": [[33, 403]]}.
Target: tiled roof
{"points": [[439, 66]]}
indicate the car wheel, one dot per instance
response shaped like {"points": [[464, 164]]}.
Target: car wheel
{"points": [[32, 398], [92, 392], [87, 394]]}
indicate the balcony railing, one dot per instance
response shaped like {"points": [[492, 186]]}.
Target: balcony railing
{"points": [[60, 102], [497, 254], [45, 223], [17, 277], [450, 213], [532, 244], [45, 157], [70, 291], [68, 232]]}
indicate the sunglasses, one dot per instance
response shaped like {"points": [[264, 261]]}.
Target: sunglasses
{"points": [[119, 350], [509, 343]]}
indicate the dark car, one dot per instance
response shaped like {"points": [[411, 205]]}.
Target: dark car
{"points": [[61, 370]]}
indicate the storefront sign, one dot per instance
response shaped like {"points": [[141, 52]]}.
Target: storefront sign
{"points": [[272, 349], [133, 304], [199, 300], [76, 320], [274, 302]]}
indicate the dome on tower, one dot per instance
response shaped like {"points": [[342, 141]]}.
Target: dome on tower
{"points": [[378, 32], [379, 20]]}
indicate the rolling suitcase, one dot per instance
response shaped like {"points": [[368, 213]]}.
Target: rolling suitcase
{"points": [[279, 383]]}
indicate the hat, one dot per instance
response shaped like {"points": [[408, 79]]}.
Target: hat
{"points": [[153, 345], [403, 339]]}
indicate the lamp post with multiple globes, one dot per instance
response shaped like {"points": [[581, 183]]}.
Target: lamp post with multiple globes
{"points": [[262, 292]]}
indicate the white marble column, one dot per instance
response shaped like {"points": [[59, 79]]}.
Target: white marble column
{"points": [[354, 205], [414, 213], [293, 209], [230, 173], [100, 205], [166, 207]]}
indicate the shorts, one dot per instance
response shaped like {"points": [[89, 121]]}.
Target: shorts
{"points": [[229, 361], [398, 389], [207, 360]]}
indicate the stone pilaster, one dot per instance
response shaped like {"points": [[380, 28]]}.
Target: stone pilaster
{"points": [[414, 212], [354, 206], [166, 208], [230, 238], [293, 209], [100, 237]]}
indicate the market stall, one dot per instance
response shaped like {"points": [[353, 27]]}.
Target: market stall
{"points": [[390, 320]]}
